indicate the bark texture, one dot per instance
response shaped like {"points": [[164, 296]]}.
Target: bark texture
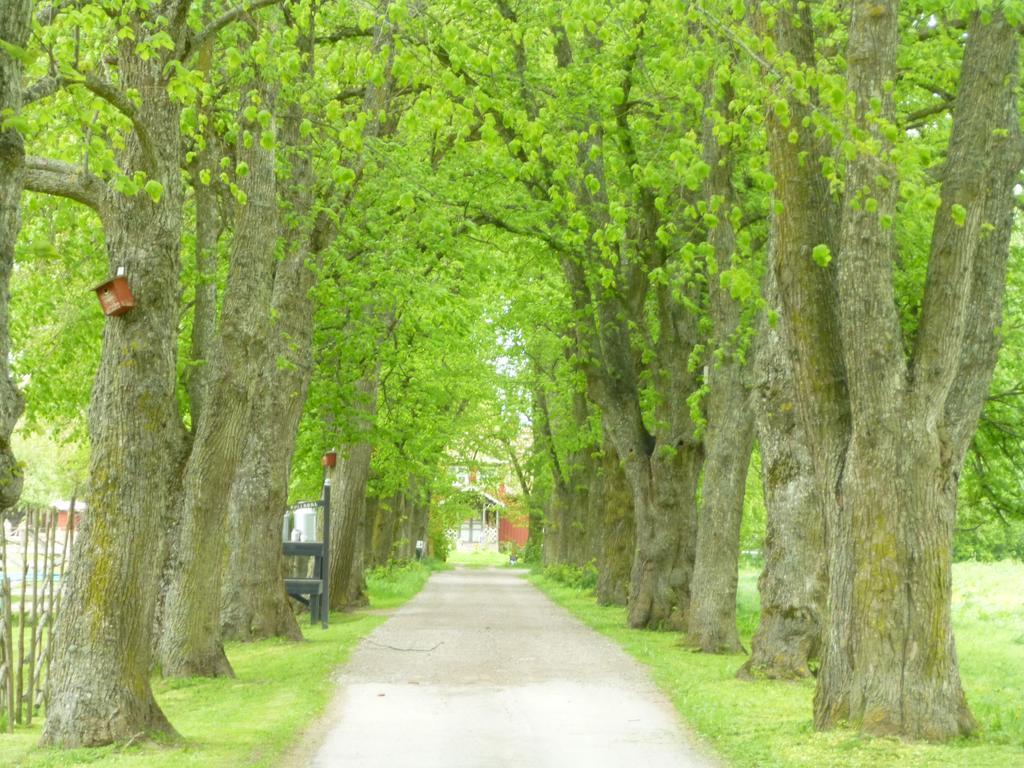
{"points": [[254, 604], [209, 226], [793, 582], [886, 433], [190, 645], [15, 25], [728, 437], [98, 686], [615, 558], [349, 480]]}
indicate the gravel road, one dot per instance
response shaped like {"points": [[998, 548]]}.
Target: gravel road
{"points": [[481, 670]]}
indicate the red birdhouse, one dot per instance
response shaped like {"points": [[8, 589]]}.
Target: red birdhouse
{"points": [[330, 459], [115, 296]]}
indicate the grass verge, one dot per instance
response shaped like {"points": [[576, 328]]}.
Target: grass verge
{"points": [[767, 724], [251, 720], [485, 558]]}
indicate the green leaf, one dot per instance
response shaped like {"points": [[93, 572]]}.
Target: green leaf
{"points": [[154, 189], [822, 255], [26, 57], [959, 214]]}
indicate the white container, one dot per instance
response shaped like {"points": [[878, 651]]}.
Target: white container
{"points": [[305, 524]]}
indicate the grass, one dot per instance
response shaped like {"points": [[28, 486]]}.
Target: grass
{"points": [[485, 558], [768, 724], [391, 585], [246, 722]]}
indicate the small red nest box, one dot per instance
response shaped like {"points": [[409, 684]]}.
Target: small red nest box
{"points": [[115, 296], [330, 459]]}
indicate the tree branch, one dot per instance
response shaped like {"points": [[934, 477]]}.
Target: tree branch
{"points": [[488, 219], [42, 88], [916, 119], [192, 43], [110, 93], [55, 177], [344, 33], [120, 101]]}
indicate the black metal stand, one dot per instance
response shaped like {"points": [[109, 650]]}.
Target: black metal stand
{"points": [[314, 592]]}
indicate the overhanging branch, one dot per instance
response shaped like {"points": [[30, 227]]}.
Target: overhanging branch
{"points": [[55, 177], [110, 93], [191, 44]]}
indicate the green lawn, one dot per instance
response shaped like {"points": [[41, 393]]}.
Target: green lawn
{"points": [[482, 559], [762, 724], [249, 721]]}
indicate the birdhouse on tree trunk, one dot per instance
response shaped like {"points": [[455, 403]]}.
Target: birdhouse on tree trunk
{"points": [[115, 296], [330, 459]]}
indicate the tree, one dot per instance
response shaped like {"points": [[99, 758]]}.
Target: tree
{"points": [[888, 430], [190, 644], [793, 582], [135, 431], [15, 25]]}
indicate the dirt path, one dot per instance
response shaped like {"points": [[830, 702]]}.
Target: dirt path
{"points": [[481, 670]]}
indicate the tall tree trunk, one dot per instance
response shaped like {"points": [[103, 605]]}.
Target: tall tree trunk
{"points": [[98, 686], [728, 442], [891, 558], [663, 471], [887, 436], [793, 582], [555, 513], [15, 25], [191, 645], [350, 479], [729, 438], [615, 560], [254, 604], [208, 230], [370, 532], [357, 595], [555, 517], [594, 529]]}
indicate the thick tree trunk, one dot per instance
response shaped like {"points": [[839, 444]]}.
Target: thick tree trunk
{"points": [[891, 554], [793, 582], [98, 687], [191, 645], [615, 560], [728, 442], [357, 595], [664, 473], [254, 604], [729, 437], [664, 490], [15, 25], [554, 521], [349, 479], [594, 531], [886, 438], [583, 504], [806, 295]]}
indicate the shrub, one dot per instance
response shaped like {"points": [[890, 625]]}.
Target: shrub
{"points": [[574, 576]]}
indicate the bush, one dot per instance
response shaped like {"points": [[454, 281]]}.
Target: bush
{"points": [[532, 551], [440, 544], [574, 576]]}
